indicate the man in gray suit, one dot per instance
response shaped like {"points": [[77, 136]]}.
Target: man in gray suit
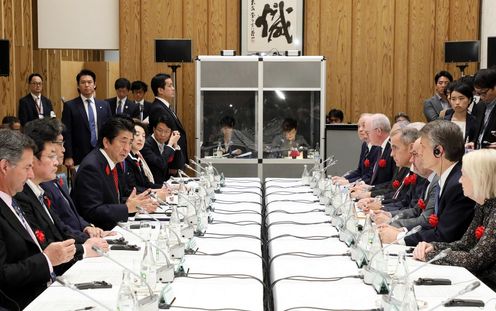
{"points": [[418, 215], [434, 105]]}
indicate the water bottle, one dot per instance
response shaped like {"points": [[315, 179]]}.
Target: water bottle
{"points": [[148, 269], [126, 300]]}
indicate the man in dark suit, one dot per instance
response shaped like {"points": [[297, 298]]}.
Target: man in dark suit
{"points": [[38, 207], [161, 148], [34, 105], [25, 267], [139, 89], [83, 117], [485, 123], [121, 104], [442, 149], [97, 191], [164, 92], [434, 105], [58, 194]]}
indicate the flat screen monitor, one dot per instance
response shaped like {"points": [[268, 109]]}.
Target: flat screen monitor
{"points": [[491, 52], [461, 51], [173, 50], [4, 58]]}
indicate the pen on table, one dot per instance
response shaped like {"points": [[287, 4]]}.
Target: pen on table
{"points": [[85, 308]]}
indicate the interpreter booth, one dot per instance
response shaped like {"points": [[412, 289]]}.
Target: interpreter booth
{"points": [[247, 109]]}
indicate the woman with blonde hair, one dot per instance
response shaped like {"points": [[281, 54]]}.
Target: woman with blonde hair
{"points": [[476, 250]]}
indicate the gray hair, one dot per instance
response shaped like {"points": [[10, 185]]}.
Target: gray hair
{"points": [[13, 144], [479, 166], [381, 122]]}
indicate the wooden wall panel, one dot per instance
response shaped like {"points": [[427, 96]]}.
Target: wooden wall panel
{"points": [[130, 38], [335, 44], [312, 27], [400, 59]]}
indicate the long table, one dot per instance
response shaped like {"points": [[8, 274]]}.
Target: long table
{"points": [[298, 226], [236, 226]]}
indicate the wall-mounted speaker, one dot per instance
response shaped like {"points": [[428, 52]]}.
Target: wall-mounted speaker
{"points": [[4, 57], [491, 52]]}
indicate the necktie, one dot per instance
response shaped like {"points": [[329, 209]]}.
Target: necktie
{"points": [[376, 165], [20, 213], [91, 119], [397, 193], [39, 107], [116, 179], [120, 107], [436, 193], [43, 202]]}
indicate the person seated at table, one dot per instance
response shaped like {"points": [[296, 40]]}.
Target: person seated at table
{"points": [[98, 189], [138, 173], [417, 210], [289, 140], [161, 149], [476, 248], [402, 141], [37, 207], [25, 267], [11, 122], [366, 161], [57, 192], [232, 141], [441, 149]]}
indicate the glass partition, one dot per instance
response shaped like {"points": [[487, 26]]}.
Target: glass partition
{"points": [[229, 124], [291, 123]]}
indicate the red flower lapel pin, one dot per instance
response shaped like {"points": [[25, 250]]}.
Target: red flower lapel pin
{"points": [[479, 232], [382, 163], [40, 235], [107, 170], [433, 220], [366, 163], [421, 204], [396, 184]]}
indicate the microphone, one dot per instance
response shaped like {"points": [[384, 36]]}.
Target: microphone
{"points": [[151, 299], [246, 154], [177, 251], [198, 165], [452, 302], [73, 287], [166, 273], [439, 256], [191, 168]]}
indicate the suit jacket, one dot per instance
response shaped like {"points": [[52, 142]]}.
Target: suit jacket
{"points": [[363, 172], [432, 108], [455, 212], [412, 193], [94, 192], [387, 188], [414, 215], [479, 125], [383, 174], [159, 163], [24, 270], [27, 108], [55, 231], [470, 124], [159, 108], [130, 107], [136, 178], [63, 206], [77, 133]]}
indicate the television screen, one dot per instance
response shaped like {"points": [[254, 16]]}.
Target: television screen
{"points": [[173, 50], [491, 52], [461, 51], [4, 58]]}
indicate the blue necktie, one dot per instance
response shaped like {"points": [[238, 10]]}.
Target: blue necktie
{"points": [[91, 119], [20, 213], [436, 192]]}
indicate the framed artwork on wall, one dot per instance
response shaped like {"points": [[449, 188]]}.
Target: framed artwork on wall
{"points": [[271, 26]]}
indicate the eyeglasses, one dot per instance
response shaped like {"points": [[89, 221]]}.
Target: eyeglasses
{"points": [[61, 142], [482, 92], [50, 157], [37, 83]]}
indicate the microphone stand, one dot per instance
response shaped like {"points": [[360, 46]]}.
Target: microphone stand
{"points": [[152, 298], [470, 287], [166, 276]]}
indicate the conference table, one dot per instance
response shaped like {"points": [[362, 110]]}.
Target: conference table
{"points": [[270, 245], [310, 268], [226, 272]]}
